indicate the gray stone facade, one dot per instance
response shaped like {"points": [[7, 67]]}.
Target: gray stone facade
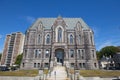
{"points": [[68, 41]]}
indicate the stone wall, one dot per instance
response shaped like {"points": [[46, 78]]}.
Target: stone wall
{"points": [[18, 78]]}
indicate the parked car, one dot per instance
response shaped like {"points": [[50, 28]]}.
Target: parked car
{"points": [[4, 68]]}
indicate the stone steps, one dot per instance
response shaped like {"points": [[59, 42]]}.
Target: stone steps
{"points": [[58, 73]]}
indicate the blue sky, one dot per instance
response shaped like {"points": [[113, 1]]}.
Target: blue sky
{"points": [[103, 16]]}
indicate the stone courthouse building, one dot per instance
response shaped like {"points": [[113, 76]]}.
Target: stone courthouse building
{"points": [[68, 41]]}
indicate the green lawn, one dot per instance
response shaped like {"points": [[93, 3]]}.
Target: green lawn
{"points": [[30, 73], [100, 73]]}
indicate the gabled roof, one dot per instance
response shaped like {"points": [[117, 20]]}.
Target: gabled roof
{"points": [[70, 22]]}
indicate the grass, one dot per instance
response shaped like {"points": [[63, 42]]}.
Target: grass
{"points": [[30, 73], [100, 73]]}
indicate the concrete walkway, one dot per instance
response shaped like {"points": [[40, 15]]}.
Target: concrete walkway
{"points": [[58, 73]]}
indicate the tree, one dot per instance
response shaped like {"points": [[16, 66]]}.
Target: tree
{"points": [[99, 55], [108, 51], [19, 59]]}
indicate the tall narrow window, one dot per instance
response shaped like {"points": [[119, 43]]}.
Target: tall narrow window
{"points": [[59, 35], [23, 65], [71, 39], [82, 55], [25, 54], [39, 53], [38, 65], [79, 54], [79, 39], [71, 53], [48, 39], [93, 53], [34, 65], [36, 53], [47, 54], [95, 64], [84, 65], [80, 65], [38, 38]]}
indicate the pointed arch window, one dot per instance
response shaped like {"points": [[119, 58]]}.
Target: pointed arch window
{"points": [[71, 39], [39, 38], [59, 35], [48, 39]]}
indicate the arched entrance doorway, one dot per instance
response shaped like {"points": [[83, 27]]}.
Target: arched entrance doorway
{"points": [[59, 54]]}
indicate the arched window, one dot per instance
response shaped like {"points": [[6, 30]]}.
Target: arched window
{"points": [[48, 39], [59, 35], [71, 39], [38, 38]]}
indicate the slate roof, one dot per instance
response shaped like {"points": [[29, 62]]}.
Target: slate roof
{"points": [[70, 22]]}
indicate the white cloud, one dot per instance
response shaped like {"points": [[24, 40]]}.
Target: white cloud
{"points": [[30, 19]]}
